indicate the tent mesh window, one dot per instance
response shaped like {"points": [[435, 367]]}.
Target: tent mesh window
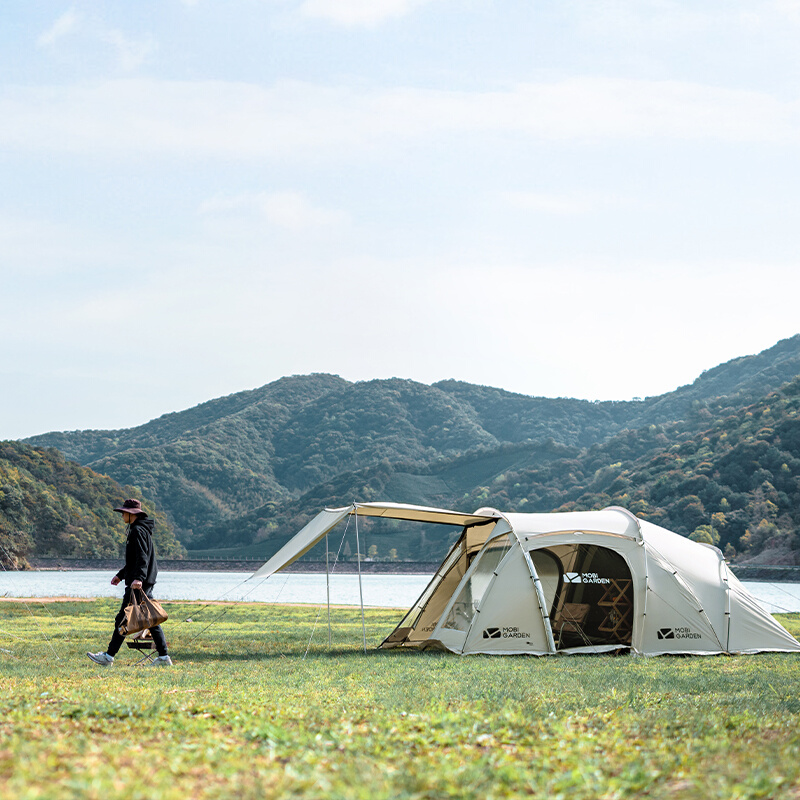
{"points": [[469, 598], [418, 624], [593, 603]]}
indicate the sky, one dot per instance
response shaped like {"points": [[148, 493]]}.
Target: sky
{"points": [[566, 199]]}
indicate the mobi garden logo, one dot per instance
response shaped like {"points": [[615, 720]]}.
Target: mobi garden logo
{"points": [[677, 633], [584, 577], [505, 633]]}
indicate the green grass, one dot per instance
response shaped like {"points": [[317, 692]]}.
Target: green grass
{"points": [[243, 714]]}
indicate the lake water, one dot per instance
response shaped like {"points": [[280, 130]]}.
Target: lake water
{"points": [[386, 591]]}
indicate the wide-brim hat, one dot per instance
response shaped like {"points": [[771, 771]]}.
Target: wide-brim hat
{"points": [[131, 507]]}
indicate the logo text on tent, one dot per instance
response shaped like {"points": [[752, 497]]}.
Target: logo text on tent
{"points": [[677, 633], [505, 633], [584, 577]]}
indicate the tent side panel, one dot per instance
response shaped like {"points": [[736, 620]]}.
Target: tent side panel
{"points": [[752, 628], [699, 566], [509, 618], [676, 621]]}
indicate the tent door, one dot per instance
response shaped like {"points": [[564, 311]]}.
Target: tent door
{"points": [[592, 595]]}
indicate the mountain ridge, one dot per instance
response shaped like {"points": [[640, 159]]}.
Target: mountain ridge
{"points": [[52, 506], [221, 466]]}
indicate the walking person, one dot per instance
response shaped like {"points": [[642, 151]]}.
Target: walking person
{"points": [[139, 572]]}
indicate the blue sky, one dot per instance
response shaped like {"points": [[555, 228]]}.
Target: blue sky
{"points": [[589, 199]]}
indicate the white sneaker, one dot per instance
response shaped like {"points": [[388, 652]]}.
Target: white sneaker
{"points": [[103, 659], [161, 661]]}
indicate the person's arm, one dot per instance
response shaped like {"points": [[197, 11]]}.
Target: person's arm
{"points": [[134, 584]]}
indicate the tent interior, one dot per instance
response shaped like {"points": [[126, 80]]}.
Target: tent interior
{"points": [[585, 612]]}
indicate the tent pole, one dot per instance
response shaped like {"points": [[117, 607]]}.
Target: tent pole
{"points": [[537, 587], [328, 587], [360, 590]]}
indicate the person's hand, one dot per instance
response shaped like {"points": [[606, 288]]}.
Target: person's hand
{"points": [[136, 585], [115, 580]]}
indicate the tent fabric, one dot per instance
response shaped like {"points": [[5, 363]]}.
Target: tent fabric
{"points": [[421, 514], [427, 610], [611, 521], [315, 530], [303, 541], [575, 582]]}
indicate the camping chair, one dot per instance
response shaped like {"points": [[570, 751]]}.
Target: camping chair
{"points": [[569, 618], [141, 641]]}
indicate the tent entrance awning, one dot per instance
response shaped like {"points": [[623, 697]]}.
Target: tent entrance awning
{"points": [[315, 530], [441, 516]]}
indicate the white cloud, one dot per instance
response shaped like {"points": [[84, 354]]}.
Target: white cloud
{"points": [[353, 13], [788, 9], [667, 20], [131, 53], [63, 26], [290, 210], [543, 202], [236, 120]]}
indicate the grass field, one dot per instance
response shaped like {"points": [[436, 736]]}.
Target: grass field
{"points": [[245, 713]]}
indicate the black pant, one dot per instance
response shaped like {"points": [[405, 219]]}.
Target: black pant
{"points": [[117, 638]]}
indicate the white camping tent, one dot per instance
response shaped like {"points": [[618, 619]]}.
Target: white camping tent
{"points": [[577, 582]]}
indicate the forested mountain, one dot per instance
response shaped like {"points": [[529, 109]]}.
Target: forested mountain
{"points": [[735, 483], [252, 466], [51, 506]]}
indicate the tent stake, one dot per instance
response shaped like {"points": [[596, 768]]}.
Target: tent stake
{"points": [[328, 587], [360, 590]]}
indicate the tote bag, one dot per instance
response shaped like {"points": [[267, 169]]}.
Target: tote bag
{"points": [[141, 613]]}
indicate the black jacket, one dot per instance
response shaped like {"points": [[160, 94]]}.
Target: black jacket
{"points": [[140, 554]]}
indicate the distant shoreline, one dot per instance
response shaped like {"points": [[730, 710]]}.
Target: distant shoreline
{"points": [[242, 565], [761, 572]]}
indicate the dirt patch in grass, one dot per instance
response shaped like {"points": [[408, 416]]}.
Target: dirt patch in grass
{"points": [[47, 599]]}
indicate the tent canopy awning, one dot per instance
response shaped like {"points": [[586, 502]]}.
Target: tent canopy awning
{"points": [[419, 514], [315, 530]]}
